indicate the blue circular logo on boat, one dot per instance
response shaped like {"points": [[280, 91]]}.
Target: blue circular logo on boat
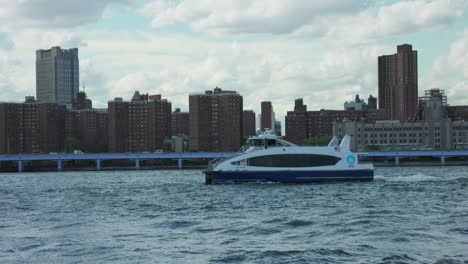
{"points": [[351, 159]]}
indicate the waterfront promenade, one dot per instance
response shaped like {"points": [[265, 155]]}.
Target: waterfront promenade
{"points": [[394, 156]]}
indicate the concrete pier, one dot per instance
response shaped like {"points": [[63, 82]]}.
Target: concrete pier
{"points": [[20, 166], [59, 165]]}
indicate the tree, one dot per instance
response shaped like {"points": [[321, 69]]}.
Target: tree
{"points": [[101, 148], [372, 148], [317, 141], [71, 144]]}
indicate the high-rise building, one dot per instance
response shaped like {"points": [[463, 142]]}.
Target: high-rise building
{"points": [[278, 128], [248, 126], [398, 83], [118, 125], [32, 127], [57, 75], [89, 127], [160, 123], [180, 123], [302, 124], [267, 116], [11, 128], [215, 121], [139, 125], [81, 101], [371, 103]]}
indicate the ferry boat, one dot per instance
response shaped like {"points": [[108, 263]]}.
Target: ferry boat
{"points": [[269, 158]]}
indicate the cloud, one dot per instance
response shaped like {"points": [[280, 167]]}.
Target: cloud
{"points": [[14, 83], [5, 42], [449, 71], [455, 62], [262, 75], [94, 83], [52, 13], [262, 16], [412, 16], [336, 20], [456, 94]]}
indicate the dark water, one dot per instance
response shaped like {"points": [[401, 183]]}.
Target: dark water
{"points": [[408, 215]]}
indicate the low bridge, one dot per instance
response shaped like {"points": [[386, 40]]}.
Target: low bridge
{"points": [[137, 157], [397, 155], [180, 157]]}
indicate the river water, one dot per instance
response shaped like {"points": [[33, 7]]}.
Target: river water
{"points": [[407, 215]]}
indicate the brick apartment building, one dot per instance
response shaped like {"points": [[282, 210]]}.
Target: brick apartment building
{"points": [[32, 127], [267, 116], [302, 124], [248, 123], [398, 83], [139, 125], [180, 123], [89, 126], [215, 121]]}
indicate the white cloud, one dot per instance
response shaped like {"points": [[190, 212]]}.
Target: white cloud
{"points": [[336, 20], [52, 13], [458, 55], [261, 16], [411, 16], [261, 75], [456, 94], [450, 71], [5, 42], [15, 83]]}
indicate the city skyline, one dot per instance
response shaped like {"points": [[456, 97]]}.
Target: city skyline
{"points": [[254, 48]]}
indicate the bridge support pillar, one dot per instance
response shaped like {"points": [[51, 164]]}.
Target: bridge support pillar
{"points": [[59, 165], [20, 166], [179, 163], [137, 164], [98, 164], [442, 160], [397, 161]]}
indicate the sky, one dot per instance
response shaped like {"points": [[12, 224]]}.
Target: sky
{"points": [[268, 50]]}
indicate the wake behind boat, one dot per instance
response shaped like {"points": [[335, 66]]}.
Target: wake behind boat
{"points": [[269, 158]]}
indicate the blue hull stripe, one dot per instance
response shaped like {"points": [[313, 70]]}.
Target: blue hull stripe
{"points": [[292, 176]]}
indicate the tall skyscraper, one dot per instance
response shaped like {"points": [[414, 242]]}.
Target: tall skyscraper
{"points": [[215, 121], [57, 75], [398, 83]]}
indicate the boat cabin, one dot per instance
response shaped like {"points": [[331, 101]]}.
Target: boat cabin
{"points": [[267, 140]]}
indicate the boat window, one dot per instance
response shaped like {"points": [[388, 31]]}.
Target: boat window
{"points": [[271, 142], [256, 142], [239, 163], [293, 160]]}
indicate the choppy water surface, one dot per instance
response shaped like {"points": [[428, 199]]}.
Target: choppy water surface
{"points": [[408, 215]]}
